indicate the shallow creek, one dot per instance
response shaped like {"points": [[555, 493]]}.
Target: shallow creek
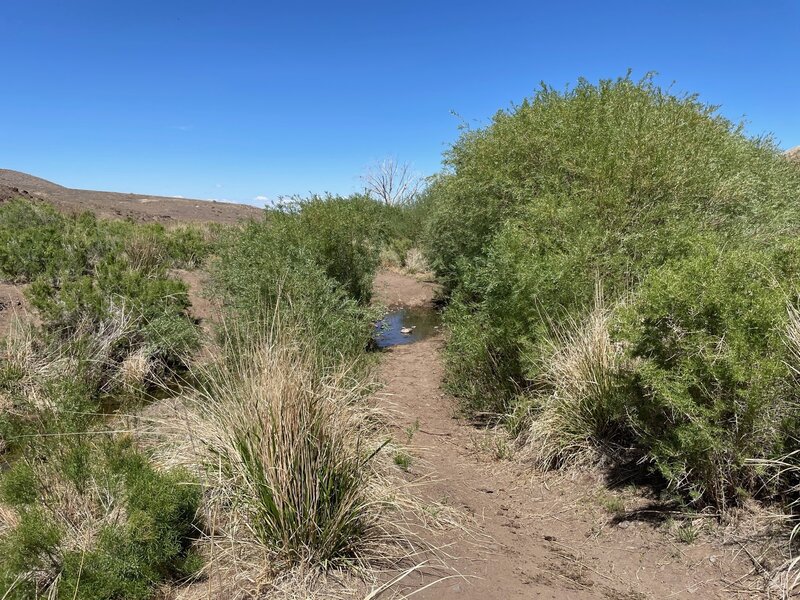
{"points": [[406, 326]]}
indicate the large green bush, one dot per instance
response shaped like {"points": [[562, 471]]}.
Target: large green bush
{"points": [[314, 262], [340, 235], [604, 184], [632, 152]]}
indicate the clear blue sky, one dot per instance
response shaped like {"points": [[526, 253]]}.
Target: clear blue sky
{"points": [[237, 99]]}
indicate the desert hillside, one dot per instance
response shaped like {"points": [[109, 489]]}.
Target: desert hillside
{"points": [[14, 184]]}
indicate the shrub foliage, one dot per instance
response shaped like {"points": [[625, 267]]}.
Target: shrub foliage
{"points": [[666, 204]]}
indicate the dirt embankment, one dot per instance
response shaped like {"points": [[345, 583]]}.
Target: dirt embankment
{"points": [[393, 289], [533, 535]]}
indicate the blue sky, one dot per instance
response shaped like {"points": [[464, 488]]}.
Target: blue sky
{"points": [[242, 99]]}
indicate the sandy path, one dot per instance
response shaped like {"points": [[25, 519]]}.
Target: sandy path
{"points": [[534, 536]]}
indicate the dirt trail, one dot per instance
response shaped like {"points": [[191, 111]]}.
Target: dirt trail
{"points": [[534, 535]]}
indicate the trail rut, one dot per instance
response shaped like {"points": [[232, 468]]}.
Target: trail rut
{"points": [[532, 535]]}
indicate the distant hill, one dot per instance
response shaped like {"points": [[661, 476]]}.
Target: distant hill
{"points": [[794, 153], [115, 205]]}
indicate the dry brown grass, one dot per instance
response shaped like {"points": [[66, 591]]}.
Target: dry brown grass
{"points": [[90, 348], [415, 263], [9, 519], [569, 415], [783, 580], [293, 462]]}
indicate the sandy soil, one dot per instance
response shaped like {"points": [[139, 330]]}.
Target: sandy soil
{"points": [[114, 205], [536, 535]]}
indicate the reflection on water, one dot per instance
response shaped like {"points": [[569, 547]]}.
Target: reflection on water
{"points": [[406, 326]]}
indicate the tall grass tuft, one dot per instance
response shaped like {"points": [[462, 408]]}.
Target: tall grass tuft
{"points": [[574, 405], [286, 450]]}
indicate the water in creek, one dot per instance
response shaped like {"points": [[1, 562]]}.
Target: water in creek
{"points": [[406, 326]]}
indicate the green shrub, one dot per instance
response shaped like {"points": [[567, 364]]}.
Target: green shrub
{"points": [[309, 262], [113, 322], [342, 237], [102, 279], [37, 241], [607, 183], [708, 336], [602, 181], [95, 521], [635, 154]]}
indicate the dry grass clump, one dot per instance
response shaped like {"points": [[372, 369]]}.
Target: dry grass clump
{"points": [[573, 409], [410, 261], [784, 475], [415, 262], [390, 258], [8, 519], [793, 338], [146, 251], [784, 579], [287, 453], [90, 348]]}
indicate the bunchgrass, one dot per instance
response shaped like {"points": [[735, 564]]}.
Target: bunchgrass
{"points": [[574, 407], [293, 465]]}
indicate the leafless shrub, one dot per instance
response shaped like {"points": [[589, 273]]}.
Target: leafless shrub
{"points": [[392, 182]]}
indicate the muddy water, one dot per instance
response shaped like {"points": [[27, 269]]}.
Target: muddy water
{"points": [[406, 326]]}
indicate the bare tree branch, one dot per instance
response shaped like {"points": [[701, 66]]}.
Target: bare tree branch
{"points": [[392, 183]]}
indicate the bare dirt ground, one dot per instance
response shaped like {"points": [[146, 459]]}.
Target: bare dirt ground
{"points": [[395, 289], [114, 205], [535, 535]]}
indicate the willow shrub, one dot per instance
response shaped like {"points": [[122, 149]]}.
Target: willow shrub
{"points": [[607, 183], [708, 336], [314, 261]]}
